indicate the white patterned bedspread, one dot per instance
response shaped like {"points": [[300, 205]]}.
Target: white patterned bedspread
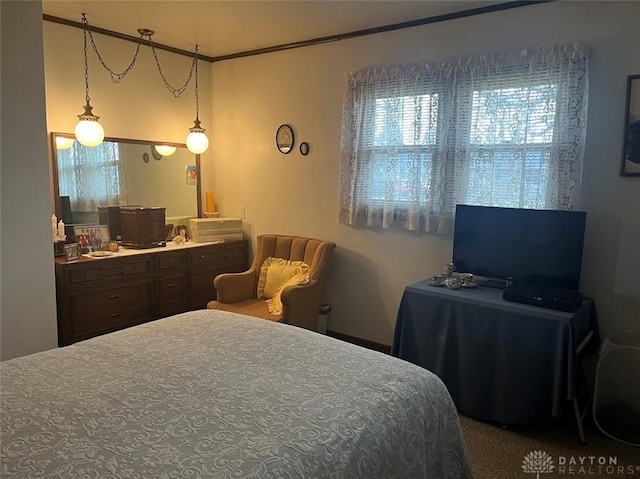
{"points": [[218, 395]]}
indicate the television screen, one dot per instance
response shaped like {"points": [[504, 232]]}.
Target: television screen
{"points": [[534, 246]]}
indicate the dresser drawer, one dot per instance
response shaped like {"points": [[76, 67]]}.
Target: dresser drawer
{"points": [[79, 276], [172, 295], [171, 261], [108, 269], [109, 309], [222, 254], [137, 267]]}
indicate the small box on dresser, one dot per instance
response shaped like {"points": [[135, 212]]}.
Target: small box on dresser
{"points": [[143, 227], [205, 230], [110, 216]]}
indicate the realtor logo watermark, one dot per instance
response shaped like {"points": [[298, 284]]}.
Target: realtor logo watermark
{"points": [[539, 462]]}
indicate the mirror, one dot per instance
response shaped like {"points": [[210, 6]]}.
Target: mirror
{"points": [[631, 148], [285, 139], [123, 172]]}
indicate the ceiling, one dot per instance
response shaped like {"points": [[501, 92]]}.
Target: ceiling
{"points": [[223, 28]]}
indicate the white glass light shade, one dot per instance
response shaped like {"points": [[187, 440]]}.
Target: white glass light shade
{"points": [[63, 143], [197, 142], [165, 150], [89, 132]]}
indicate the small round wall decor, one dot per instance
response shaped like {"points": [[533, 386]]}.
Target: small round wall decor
{"points": [[304, 148], [285, 139]]}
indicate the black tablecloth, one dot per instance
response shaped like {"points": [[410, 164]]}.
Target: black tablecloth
{"points": [[502, 361]]}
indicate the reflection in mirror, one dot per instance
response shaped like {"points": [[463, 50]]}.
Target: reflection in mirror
{"points": [[122, 172], [631, 147]]}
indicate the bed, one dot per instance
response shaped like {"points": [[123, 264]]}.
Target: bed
{"points": [[221, 395]]}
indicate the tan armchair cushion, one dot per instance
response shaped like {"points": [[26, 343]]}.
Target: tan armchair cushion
{"points": [[251, 307]]}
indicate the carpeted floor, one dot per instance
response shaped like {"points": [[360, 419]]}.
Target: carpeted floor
{"points": [[498, 453]]}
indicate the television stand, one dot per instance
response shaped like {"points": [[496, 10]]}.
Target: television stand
{"points": [[501, 361]]}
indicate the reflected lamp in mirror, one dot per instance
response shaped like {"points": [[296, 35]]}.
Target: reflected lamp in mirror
{"points": [[165, 150], [63, 143]]}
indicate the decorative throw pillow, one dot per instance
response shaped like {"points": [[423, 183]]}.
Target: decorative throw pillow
{"points": [[275, 303], [275, 272]]}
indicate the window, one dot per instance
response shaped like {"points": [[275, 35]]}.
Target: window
{"points": [[510, 146], [91, 176], [407, 125], [500, 130]]}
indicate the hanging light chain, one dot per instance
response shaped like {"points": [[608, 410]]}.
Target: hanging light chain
{"points": [[177, 92], [195, 61], [115, 76], [86, 63]]}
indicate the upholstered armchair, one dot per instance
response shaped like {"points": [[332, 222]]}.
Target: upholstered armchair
{"points": [[238, 292]]}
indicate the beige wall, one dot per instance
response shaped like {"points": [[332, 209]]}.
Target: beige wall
{"points": [[140, 106], [27, 298], [298, 195]]}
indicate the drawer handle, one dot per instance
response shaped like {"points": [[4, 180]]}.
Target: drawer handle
{"points": [[114, 315], [202, 256], [172, 285], [87, 273], [114, 296], [172, 302]]}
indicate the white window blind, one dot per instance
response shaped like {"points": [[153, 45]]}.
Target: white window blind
{"points": [[500, 130]]}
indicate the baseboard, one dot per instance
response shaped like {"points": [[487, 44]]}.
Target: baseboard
{"points": [[365, 343]]}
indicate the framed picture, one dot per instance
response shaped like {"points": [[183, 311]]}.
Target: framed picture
{"points": [[192, 175], [631, 146], [71, 251], [183, 230], [92, 238]]}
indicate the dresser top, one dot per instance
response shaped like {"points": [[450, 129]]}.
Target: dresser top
{"points": [[122, 252]]}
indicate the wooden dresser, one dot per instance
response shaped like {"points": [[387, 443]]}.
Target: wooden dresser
{"points": [[100, 295]]}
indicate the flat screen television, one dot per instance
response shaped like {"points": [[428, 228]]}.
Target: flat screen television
{"points": [[534, 246]]}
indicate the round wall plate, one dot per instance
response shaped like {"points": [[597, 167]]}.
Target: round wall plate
{"points": [[285, 139], [304, 148]]}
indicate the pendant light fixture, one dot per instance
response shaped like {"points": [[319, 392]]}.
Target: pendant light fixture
{"points": [[88, 131], [197, 141]]}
